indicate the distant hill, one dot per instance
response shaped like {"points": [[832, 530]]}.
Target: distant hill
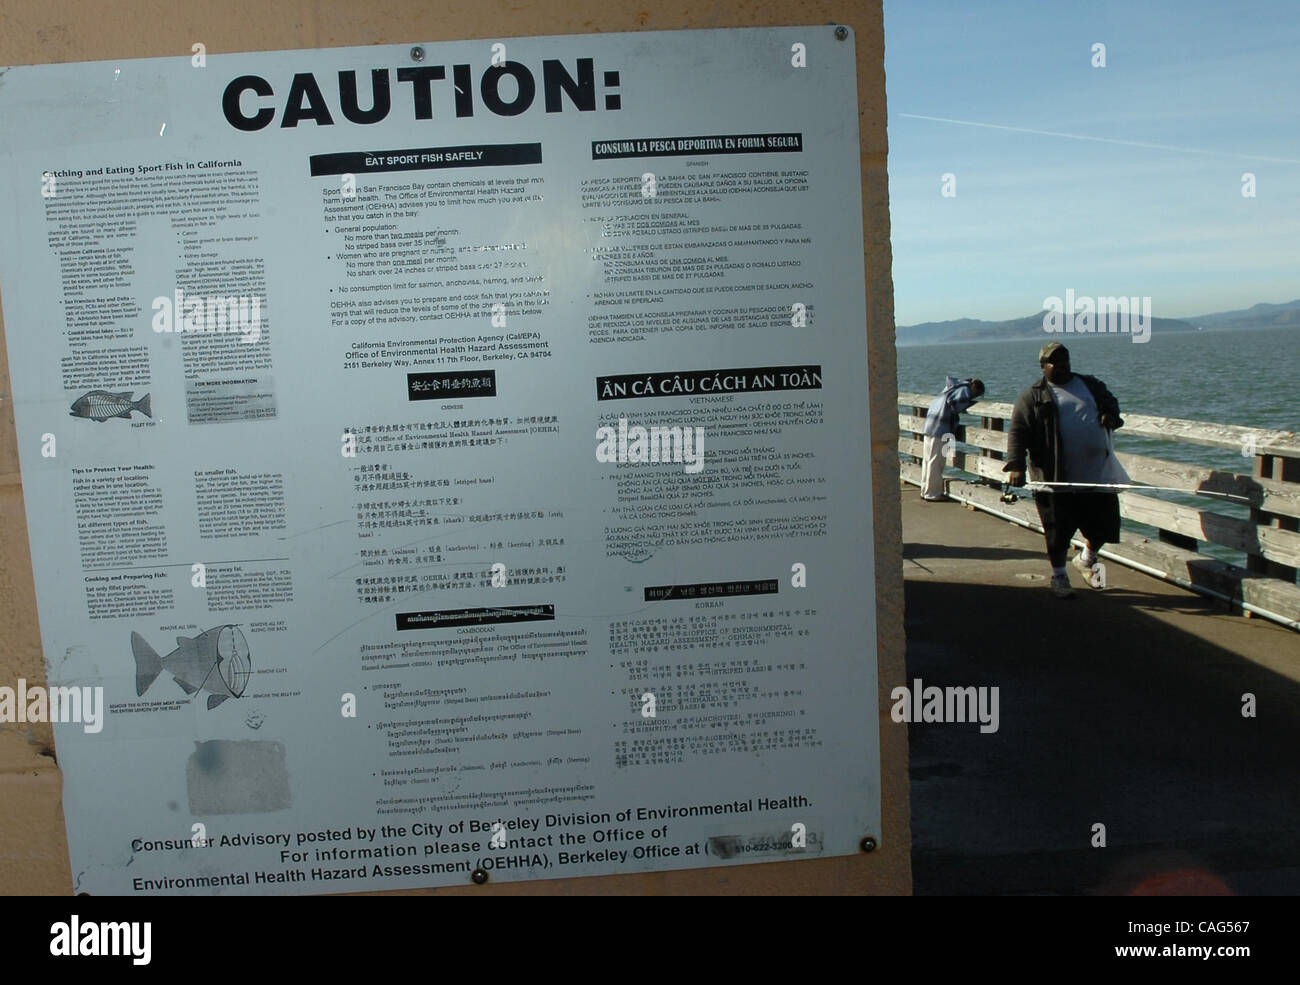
{"points": [[1031, 326], [1258, 316], [933, 332]]}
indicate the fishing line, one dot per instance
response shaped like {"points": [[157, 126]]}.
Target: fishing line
{"points": [[1133, 485]]}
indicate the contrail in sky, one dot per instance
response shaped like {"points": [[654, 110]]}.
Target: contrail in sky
{"points": [[1105, 140]]}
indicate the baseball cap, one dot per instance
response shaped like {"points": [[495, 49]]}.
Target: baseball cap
{"points": [[1047, 351]]}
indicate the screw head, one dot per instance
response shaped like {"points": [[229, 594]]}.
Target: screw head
{"points": [[867, 844], [417, 54], [841, 33], [479, 876]]}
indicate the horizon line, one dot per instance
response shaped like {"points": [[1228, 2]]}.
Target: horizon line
{"points": [[1203, 314], [1209, 330]]}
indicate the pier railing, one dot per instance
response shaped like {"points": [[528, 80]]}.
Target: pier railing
{"points": [[1269, 538]]}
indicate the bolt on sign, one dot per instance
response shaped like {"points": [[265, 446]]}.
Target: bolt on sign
{"points": [[450, 460]]}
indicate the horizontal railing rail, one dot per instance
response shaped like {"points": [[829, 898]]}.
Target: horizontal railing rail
{"points": [[1269, 538]]}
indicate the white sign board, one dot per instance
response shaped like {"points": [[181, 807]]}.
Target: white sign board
{"points": [[446, 462]]}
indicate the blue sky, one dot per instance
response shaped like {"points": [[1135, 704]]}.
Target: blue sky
{"points": [[1035, 214]]}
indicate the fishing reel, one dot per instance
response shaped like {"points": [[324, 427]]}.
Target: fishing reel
{"points": [[1008, 496]]}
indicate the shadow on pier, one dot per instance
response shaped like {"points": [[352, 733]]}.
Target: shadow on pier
{"points": [[1120, 707]]}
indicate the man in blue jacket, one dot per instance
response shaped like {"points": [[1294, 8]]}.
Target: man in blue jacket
{"points": [[941, 429]]}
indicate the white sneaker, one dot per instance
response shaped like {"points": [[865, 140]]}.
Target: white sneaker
{"points": [[1061, 587], [1090, 571]]}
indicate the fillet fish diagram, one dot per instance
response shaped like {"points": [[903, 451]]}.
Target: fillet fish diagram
{"points": [[217, 661], [100, 405]]}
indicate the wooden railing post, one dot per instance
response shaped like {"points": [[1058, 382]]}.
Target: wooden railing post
{"points": [[918, 411], [993, 424], [1283, 470]]}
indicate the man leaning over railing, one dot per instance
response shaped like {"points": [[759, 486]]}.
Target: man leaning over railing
{"points": [[940, 429]]}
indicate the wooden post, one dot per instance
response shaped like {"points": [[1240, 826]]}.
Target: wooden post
{"points": [[1283, 470], [918, 411], [993, 424]]}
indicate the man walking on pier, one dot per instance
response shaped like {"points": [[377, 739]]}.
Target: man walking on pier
{"points": [[1064, 423], [941, 422]]}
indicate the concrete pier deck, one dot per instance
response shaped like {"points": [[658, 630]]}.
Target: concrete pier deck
{"points": [[1120, 707]]}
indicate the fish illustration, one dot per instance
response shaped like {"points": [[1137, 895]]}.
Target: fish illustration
{"points": [[216, 661], [100, 405]]}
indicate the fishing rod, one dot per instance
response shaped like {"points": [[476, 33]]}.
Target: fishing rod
{"points": [[1134, 485]]}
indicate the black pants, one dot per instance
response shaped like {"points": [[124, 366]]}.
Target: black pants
{"points": [[1095, 515]]}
